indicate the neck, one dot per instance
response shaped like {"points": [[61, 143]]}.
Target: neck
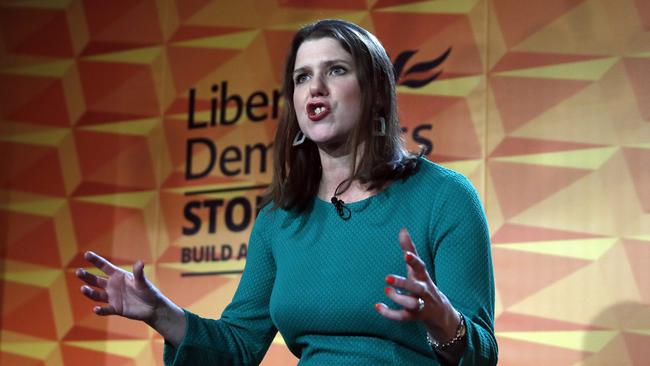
{"points": [[336, 169]]}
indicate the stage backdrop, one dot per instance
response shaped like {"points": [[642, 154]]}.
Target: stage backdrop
{"points": [[143, 129]]}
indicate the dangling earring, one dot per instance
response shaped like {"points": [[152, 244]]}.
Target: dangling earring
{"points": [[299, 139], [380, 127]]}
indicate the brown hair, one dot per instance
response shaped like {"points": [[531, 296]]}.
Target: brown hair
{"points": [[297, 169]]}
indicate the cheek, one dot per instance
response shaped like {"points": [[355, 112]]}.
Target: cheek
{"points": [[351, 91], [352, 96], [298, 101]]}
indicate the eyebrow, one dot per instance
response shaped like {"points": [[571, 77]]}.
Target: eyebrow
{"points": [[324, 63]]}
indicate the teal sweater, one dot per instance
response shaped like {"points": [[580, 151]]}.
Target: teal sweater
{"points": [[315, 278]]}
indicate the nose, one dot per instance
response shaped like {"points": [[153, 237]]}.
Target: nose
{"points": [[318, 87]]}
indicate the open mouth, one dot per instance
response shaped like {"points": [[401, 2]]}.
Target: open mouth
{"points": [[317, 110]]}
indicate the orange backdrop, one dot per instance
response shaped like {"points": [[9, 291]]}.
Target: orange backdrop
{"points": [[544, 105]]}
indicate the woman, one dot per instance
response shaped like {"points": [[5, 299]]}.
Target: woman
{"points": [[323, 249]]}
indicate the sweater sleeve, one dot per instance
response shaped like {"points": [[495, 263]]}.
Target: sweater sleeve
{"points": [[463, 267], [245, 331]]}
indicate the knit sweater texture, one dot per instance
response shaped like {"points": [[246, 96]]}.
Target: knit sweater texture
{"points": [[316, 277]]}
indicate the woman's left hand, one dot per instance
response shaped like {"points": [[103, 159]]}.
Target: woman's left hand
{"points": [[420, 298]]}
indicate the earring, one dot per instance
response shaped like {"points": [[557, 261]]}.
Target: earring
{"points": [[380, 127], [299, 139]]}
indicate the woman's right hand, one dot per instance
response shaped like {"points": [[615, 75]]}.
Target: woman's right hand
{"points": [[133, 296], [127, 294]]}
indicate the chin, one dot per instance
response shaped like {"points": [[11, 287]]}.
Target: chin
{"points": [[330, 143]]}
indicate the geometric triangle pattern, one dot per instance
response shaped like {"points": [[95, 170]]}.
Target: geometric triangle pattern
{"points": [[142, 130]]}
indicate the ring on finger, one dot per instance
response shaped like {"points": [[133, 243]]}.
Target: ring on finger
{"points": [[420, 304]]}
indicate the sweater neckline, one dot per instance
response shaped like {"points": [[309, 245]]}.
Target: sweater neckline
{"points": [[362, 203]]}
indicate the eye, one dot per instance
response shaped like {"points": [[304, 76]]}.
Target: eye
{"points": [[338, 70], [300, 78]]}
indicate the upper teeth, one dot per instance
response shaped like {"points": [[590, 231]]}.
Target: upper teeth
{"points": [[319, 109]]}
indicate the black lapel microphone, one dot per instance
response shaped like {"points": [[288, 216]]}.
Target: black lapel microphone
{"points": [[341, 209]]}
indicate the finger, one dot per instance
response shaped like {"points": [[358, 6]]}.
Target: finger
{"points": [[405, 242], [106, 310], [398, 315], [414, 287], [138, 272], [407, 302], [101, 263], [417, 266], [93, 294], [90, 278]]}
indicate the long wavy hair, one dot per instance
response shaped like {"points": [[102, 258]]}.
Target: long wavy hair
{"points": [[297, 169]]}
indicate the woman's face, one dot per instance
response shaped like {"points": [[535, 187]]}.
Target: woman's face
{"points": [[326, 95]]}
